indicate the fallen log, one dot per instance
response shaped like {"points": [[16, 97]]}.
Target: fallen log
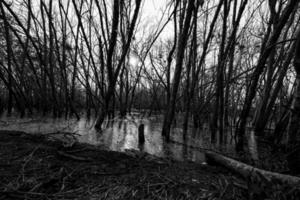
{"points": [[248, 171]]}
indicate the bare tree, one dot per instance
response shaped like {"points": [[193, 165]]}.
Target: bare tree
{"points": [[264, 55], [182, 41]]}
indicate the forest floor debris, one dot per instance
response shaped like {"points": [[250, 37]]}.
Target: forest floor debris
{"points": [[43, 167]]}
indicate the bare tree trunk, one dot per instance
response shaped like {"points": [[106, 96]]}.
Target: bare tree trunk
{"points": [[218, 116], [110, 70], [182, 40], [294, 125], [186, 99], [230, 68], [258, 123], [8, 39], [114, 74], [192, 62], [51, 62], [170, 58], [262, 121], [44, 62], [240, 131]]}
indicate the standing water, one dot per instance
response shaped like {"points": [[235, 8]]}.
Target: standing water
{"points": [[121, 134]]}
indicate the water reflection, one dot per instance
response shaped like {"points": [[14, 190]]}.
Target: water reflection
{"points": [[121, 134], [252, 145]]}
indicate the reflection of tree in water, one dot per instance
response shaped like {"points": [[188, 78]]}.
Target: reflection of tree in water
{"points": [[123, 135]]}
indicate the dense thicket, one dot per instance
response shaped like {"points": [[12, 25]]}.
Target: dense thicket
{"points": [[226, 63]]}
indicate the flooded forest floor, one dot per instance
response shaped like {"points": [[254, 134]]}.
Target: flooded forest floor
{"points": [[42, 167]]}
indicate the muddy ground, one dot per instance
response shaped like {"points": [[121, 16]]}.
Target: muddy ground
{"points": [[44, 167]]}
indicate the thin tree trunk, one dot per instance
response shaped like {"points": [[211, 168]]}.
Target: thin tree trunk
{"points": [[182, 40], [8, 40], [218, 116], [294, 125], [114, 74], [192, 62], [240, 131], [109, 65], [230, 68]]}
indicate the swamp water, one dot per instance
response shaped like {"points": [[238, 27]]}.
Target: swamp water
{"points": [[121, 134]]}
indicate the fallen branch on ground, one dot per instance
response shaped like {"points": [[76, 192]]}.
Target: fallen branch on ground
{"points": [[73, 157], [247, 171]]}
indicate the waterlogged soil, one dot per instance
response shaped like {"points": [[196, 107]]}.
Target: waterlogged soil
{"points": [[44, 167]]}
